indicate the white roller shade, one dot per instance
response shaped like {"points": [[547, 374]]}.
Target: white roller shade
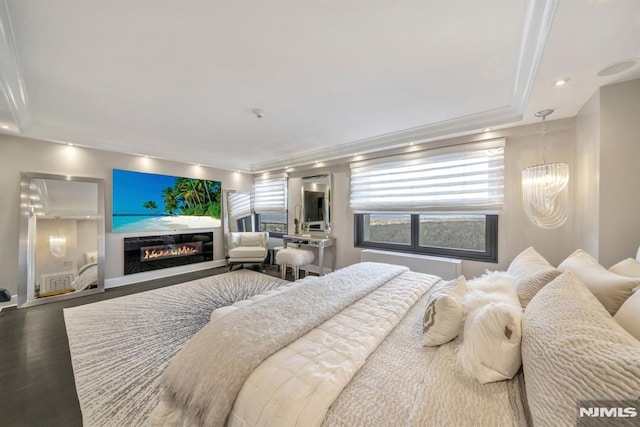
{"points": [[239, 205], [461, 178], [270, 194]]}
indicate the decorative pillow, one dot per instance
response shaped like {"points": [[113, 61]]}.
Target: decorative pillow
{"points": [[628, 267], [250, 240], [529, 285], [572, 352], [628, 316], [444, 314], [611, 289], [527, 262], [90, 257], [489, 347]]}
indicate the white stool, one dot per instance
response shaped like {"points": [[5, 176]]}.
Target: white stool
{"points": [[294, 258]]}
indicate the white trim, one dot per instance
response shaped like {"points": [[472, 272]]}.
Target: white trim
{"points": [[159, 274]]}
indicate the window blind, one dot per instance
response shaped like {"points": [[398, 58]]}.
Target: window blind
{"points": [[270, 194], [239, 205], [461, 178]]}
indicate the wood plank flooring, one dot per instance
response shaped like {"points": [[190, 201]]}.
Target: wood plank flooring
{"points": [[36, 378]]}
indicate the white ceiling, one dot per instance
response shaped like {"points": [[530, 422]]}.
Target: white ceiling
{"points": [[178, 79]]}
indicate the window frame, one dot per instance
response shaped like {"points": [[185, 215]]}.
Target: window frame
{"points": [[490, 254], [256, 226]]}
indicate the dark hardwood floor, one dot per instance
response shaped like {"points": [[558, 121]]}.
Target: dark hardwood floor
{"points": [[36, 378]]}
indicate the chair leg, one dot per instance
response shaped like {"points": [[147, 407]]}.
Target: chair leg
{"points": [[296, 273], [283, 271]]}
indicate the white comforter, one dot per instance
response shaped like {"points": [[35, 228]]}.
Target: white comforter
{"points": [[296, 385], [364, 365]]}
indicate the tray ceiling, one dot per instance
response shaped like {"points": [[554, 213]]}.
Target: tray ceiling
{"points": [[179, 79]]}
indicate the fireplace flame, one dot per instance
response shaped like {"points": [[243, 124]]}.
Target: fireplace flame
{"points": [[170, 252]]}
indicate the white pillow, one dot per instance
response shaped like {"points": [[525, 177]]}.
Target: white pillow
{"points": [[628, 267], [489, 348], [572, 351], [628, 316], [527, 262], [529, 285], [444, 314], [610, 288], [90, 257]]}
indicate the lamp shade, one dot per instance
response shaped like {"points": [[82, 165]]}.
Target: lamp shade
{"points": [[545, 194]]}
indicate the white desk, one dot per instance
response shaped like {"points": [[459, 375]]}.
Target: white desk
{"points": [[314, 242]]}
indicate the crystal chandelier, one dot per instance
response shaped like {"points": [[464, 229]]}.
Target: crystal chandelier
{"points": [[545, 187], [58, 243]]}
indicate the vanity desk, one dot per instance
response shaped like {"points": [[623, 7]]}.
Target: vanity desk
{"points": [[311, 241]]}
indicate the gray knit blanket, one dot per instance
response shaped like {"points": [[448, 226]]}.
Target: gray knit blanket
{"points": [[202, 382]]}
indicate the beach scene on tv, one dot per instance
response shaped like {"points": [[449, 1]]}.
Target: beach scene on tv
{"points": [[152, 202]]}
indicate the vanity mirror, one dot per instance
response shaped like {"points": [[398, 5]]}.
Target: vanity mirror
{"points": [[316, 202], [61, 238]]}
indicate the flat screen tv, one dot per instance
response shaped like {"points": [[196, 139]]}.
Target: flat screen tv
{"points": [[151, 202]]}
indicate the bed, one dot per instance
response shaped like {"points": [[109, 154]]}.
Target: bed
{"points": [[346, 350]]}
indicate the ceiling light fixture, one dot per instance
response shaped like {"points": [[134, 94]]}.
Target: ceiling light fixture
{"points": [[545, 187], [258, 112], [487, 129], [561, 82]]}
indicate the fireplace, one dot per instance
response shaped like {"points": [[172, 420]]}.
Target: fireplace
{"points": [[156, 252]]}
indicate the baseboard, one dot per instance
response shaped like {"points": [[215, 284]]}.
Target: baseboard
{"points": [[159, 274], [9, 304]]}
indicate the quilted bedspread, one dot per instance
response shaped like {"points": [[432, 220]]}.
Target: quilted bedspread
{"points": [[355, 359]]}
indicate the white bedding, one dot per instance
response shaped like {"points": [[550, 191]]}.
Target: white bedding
{"points": [[296, 385], [363, 366]]}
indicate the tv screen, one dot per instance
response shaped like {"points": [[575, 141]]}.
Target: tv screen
{"points": [[151, 202]]}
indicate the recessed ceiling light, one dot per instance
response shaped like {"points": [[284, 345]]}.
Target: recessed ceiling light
{"points": [[561, 82], [487, 129], [5, 127], [69, 144], [619, 67]]}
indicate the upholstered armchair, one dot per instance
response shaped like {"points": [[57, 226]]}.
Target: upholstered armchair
{"points": [[248, 248]]}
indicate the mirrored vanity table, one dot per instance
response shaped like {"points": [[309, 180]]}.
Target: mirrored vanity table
{"points": [[315, 216], [320, 242]]}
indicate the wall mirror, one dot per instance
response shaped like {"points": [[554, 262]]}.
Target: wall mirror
{"points": [[61, 238], [316, 202]]}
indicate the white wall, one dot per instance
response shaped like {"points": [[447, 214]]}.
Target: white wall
{"points": [[619, 195], [516, 232], [27, 155], [586, 177]]}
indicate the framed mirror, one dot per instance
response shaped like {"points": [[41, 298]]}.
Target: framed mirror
{"points": [[316, 202], [61, 238]]}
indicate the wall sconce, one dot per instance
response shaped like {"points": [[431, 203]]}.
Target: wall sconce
{"points": [[58, 243], [545, 188]]}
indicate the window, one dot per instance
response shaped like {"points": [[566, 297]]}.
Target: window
{"points": [[472, 237], [270, 204], [274, 223], [442, 201]]}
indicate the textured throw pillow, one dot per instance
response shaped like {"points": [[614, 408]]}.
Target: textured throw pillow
{"points": [[527, 262], [250, 240], [572, 351], [628, 267], [611, 289], [628, 316], [529, 285], [489, 346], [444, 314]]}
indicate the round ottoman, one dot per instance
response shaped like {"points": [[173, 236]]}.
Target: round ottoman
{"points": [[294, 258]]}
